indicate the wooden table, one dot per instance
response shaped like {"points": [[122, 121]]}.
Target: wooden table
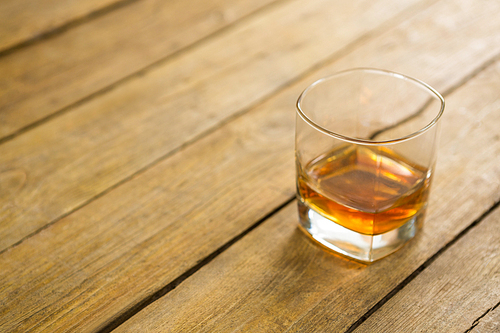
{"points": [[147, 167]]}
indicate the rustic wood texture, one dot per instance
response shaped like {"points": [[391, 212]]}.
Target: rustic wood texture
{"points": [[137, 238], [274, 279], [80, 154], [489, 323], [22, 20], [152, 216], [129, 128], [47, 77], [453, 292], [135, 186]]}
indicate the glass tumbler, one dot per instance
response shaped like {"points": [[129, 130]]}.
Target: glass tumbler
{"points": [[365, 149]]}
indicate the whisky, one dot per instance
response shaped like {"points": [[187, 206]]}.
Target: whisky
{"points": [[370, 190]]}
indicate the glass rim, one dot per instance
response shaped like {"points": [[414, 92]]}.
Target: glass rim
{"points": [[308, 120]]}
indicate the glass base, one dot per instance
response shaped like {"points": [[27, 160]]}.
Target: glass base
{"points": [[366, 248]]}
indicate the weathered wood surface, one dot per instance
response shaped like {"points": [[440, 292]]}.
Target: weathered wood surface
{"points": [[148, 222], [23, 20], [82, 153], [48, 77], [452, 293], [274, 279], [489, 323], [153, 181], [132, 126]]}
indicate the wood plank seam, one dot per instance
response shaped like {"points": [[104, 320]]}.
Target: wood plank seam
{"points": [[219, 125], [467, 221], [421, 268], [476, 322], [363, 318], [471, 75], [133, 175], [447, 92], [348, 48], [141, 71], [344, 51], [44, 35], [413, 10], [173, 284]]}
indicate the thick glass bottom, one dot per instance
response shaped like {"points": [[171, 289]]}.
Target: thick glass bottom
{"points": [[366, 248]]}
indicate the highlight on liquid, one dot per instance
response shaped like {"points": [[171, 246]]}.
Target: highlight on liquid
{"points": [[370, 190]]}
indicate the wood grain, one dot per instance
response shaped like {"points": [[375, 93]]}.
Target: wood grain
{"points": [[47, 77], [155, 219], [450, 294], [489, 323], [94, 264], [66, 162], [21, 20], [275, 279]]}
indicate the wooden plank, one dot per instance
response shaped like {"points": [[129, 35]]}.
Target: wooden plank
{"points": [[101, 260], [489, 323], [82, 153], [462, 285], [47, 77], [70, 312], [276, 280], [21, 20]]}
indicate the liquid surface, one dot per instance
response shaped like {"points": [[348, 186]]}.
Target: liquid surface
{"points": [[370, 190]]}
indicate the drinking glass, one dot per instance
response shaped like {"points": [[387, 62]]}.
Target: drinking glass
{"points": [[365, 150]]}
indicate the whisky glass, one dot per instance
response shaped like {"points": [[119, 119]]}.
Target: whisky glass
{"points": [[365, 150]]}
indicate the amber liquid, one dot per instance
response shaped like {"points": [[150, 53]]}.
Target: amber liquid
{"points": [[370, 190]]}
